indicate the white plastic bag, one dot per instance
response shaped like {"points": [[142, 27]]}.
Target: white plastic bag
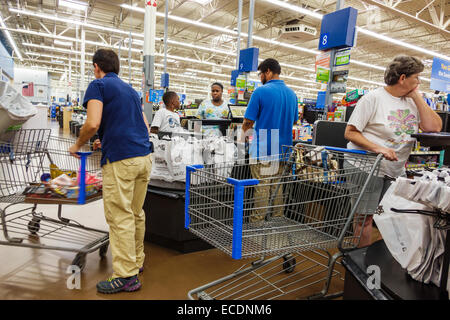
{"points": [[406, 235], [161, 157], [181, 155]]}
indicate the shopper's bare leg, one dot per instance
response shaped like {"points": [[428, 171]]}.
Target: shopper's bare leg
{"points": [[363, 227]]}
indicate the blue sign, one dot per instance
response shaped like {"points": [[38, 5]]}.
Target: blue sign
{"points": [[308, 101], [338, 29], [234, 76], [165, 80], [248, 60], [156, 95], [182, 97], [321, 99], [440, 75]]}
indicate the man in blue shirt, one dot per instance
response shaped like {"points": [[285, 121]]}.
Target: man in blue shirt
{"points": [[273, 108], [114, 110]]}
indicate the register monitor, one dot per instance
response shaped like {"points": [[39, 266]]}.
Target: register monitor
{"points": [[236, 113]]}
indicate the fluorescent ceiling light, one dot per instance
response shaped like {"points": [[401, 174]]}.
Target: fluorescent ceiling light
{"points": [[402, 43], [73, 4], [63, 43], [359, 29], [268, 41], [273, 42], [10, 39], [295, 9], [203, 2]]}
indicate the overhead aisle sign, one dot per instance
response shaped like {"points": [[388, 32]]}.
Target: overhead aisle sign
{"points": [[338, 29], [440, 75]]}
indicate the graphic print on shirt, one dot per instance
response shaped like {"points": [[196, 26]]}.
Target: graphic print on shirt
{"points": [[403, 123], [172, 122]]}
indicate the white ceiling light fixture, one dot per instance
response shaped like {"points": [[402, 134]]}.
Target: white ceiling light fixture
{"points": [[295, 9], [402, 43], [203, 2], [73, 4], [10, 39], [63, 43]]}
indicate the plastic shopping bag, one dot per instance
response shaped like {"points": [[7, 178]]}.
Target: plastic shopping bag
{"points": [[161, 158], [181, 155], [406, 235]]}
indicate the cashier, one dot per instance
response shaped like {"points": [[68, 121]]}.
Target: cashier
{"points": [[216, 108]]}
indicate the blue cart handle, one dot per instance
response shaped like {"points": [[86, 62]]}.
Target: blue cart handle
{"points": [[82, 176], [348, 150]]}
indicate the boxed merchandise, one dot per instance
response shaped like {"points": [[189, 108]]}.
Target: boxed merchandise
{"points": [[330, 116], [339, 114], [354, 95]]}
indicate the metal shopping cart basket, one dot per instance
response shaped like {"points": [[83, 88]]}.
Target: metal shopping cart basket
{"points": [[291, 211], [26, 156]]}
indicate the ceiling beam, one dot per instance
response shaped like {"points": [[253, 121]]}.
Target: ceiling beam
{"points": [[407, 16]]}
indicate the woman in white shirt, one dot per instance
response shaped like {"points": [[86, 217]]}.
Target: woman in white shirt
{"points": [[383, 122], [216, 108]]}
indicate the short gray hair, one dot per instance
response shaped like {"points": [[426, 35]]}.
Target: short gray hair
{"points": [[406, 65]]}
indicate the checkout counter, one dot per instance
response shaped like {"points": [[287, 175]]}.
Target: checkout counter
{"points": [[165, 201], [395, 283]]}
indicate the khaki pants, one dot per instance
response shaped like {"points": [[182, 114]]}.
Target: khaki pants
{"points": [[124, 189], [269, 179]]}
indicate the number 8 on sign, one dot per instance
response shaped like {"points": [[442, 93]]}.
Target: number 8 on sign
{"points": [[324, 40]]}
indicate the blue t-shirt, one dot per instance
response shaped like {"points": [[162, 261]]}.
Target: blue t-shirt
{"points": [[272, 106], [122, 131]]}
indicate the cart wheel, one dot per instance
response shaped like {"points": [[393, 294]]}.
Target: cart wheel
{"points": [[80, 261], [289, 263], [103, 250], [34, 225]]}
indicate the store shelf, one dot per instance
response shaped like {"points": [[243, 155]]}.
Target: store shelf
{"points": [[420, 153], [422, 166]]}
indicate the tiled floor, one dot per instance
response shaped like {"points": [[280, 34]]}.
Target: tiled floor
{"points": [[27, 273]]}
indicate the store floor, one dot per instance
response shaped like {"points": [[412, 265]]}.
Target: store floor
{"points": [[42, 274]]}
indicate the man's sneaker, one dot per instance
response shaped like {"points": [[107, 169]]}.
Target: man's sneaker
{"points": [[115, 285]]}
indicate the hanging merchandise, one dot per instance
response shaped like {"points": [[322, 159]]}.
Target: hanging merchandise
{"points": [[339, 82], [322, 66], [342, 57]]}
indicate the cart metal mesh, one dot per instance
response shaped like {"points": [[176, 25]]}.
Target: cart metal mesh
{"points": [[26, 155], [30, 153], [291, 208], [290, 204]]}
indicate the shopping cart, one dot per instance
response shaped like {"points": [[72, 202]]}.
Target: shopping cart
{"points": [[292, 217], [26, 158]]}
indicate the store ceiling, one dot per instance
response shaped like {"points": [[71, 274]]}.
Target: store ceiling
{"points": [[199, 51]]}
